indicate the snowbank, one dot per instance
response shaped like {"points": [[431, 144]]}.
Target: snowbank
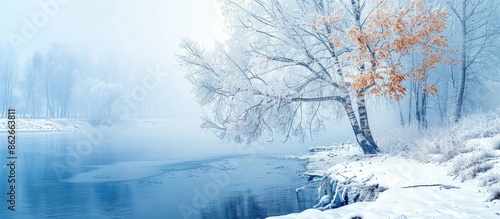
{"points": [[78, 124], [450, 172], [46, 124], [413, 189]]}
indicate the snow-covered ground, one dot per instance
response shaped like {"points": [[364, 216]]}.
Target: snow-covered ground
{"points": [[46, 124], [23, 124], [451, 172]]}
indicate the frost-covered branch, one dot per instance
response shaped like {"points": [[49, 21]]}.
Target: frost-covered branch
{"points": [[319, 99]]}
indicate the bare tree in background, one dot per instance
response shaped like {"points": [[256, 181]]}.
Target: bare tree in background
{"points": [[479, 23], [32, 71], [9, 78], [57, 78]]}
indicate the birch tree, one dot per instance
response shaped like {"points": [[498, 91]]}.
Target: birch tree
{"points": [[290, 66], [479, 30]]}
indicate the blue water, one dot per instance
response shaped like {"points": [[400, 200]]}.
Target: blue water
{"points": [[188, 177]]}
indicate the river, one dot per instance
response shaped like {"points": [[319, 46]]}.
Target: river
{"points": [[151, 173]]}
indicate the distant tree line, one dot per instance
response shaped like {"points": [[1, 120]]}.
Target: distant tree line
{"points": [[64, 82]]}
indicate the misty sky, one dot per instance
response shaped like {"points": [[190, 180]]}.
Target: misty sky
{"points": [[147, 32]]}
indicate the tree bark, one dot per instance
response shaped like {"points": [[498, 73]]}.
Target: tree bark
{"points": [[368, 146], [363, 118], [423, 111], [410, 107], [401, 117], [458, 108]]}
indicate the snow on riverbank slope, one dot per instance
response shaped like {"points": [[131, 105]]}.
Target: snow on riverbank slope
{"points": [[452, 172], [80, 124], [46, 124], [397, 172]]}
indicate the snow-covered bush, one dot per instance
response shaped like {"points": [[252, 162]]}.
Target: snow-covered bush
{"points": [[495, 193], [469, 165], [442, 144], [102, 96], [490, 179], [470, 147], [496, 144]]}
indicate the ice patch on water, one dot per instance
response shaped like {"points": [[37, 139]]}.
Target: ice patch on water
{"points": [[135, 170], [123, 171]]}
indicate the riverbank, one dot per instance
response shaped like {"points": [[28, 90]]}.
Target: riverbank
{"points": [[23, 124], [451, 172], [414, 189]]}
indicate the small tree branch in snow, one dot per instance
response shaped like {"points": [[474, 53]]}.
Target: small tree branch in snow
{"points": [[432, 185]]}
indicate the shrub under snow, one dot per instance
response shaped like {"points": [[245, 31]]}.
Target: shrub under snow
{"points": [[479, 132], [470, 148]]}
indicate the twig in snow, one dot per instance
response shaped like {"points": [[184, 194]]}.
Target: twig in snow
{"points": [[432, 185]]}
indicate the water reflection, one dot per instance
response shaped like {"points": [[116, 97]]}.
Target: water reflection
{"points": [[239, 205], [249, 204], [110, 195]]}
